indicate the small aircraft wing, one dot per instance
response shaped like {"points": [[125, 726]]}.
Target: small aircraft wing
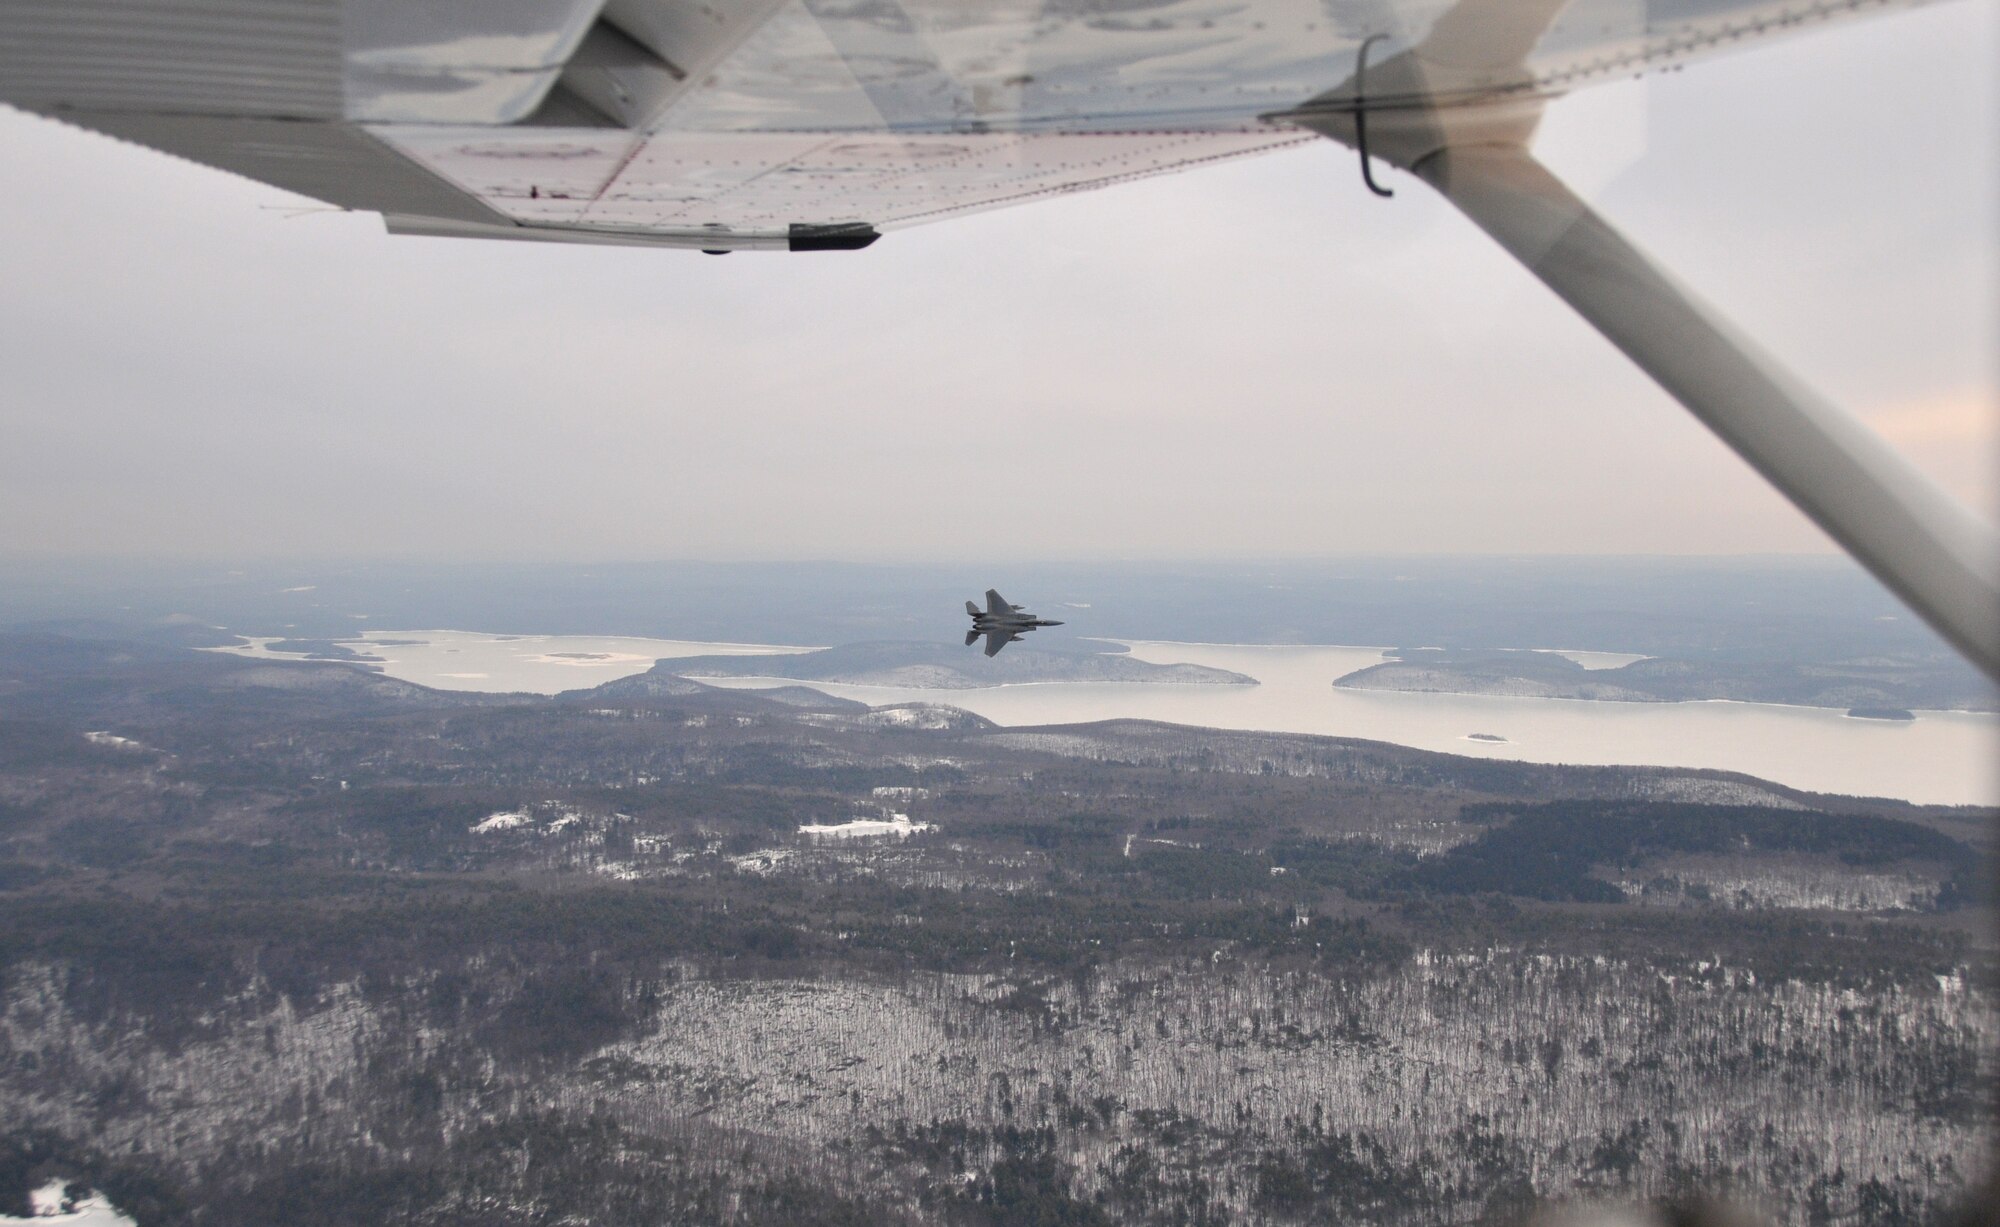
{"points": [[772, 124], [995, 640], [997, 604]]}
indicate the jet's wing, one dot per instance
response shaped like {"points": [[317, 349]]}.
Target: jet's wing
{"points": [[996, 604], [995, 640], [766, 124]]}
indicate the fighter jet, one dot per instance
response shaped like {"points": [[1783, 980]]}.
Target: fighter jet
{"points": [[1000, 622]]}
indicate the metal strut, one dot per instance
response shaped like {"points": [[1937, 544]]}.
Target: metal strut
{"points": [[1361, 113], [1940, 558], [1927, 548]]}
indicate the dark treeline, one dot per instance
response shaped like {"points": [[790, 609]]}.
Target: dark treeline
{"points": [[1549, 851]]}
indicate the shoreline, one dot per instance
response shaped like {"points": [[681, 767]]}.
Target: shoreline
{"points": [[1947, 756]]}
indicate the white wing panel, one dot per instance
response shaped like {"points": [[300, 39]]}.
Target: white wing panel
{"points": [[698, 179], [756, 183], [762, 123], [536, 176], [1188, 65], [787, 75], [899, 181]]}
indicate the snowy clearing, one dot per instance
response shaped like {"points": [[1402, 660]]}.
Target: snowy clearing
{"points": [[897, 825]]}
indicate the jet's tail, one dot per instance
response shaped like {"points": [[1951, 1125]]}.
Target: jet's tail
{"points": [[973, 610], [971, 637]]}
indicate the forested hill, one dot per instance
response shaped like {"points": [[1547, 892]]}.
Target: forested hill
{"points": [[1873, 682], [951, 666], [298, 943]]}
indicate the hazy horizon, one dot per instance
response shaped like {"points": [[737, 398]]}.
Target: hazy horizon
{"points": [[1820, 606]]}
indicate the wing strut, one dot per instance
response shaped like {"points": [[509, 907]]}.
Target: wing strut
{"points": [[1927, 548], [1940, 558]]}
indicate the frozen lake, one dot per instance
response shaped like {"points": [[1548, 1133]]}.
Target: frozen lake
{"points": [[530, 664], [1941, 757]]}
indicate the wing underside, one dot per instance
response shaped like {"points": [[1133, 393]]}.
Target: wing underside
{"points": [[997, 639], [743, 124]]}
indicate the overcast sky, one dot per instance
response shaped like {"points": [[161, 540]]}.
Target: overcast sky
{"points": [[1256, 359]]}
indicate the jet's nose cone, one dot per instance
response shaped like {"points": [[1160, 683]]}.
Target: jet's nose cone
{"points": [[1053, 623]]}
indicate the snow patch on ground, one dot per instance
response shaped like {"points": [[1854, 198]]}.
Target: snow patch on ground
{"points": [[918, 716], [112, 739], [1702, 791], [506, 820], [1720, 881], [1595, 660], [897, 826], [47, 1205]]}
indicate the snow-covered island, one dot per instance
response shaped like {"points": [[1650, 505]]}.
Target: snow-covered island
{"points": [[1864, 687], [938, 666]]}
